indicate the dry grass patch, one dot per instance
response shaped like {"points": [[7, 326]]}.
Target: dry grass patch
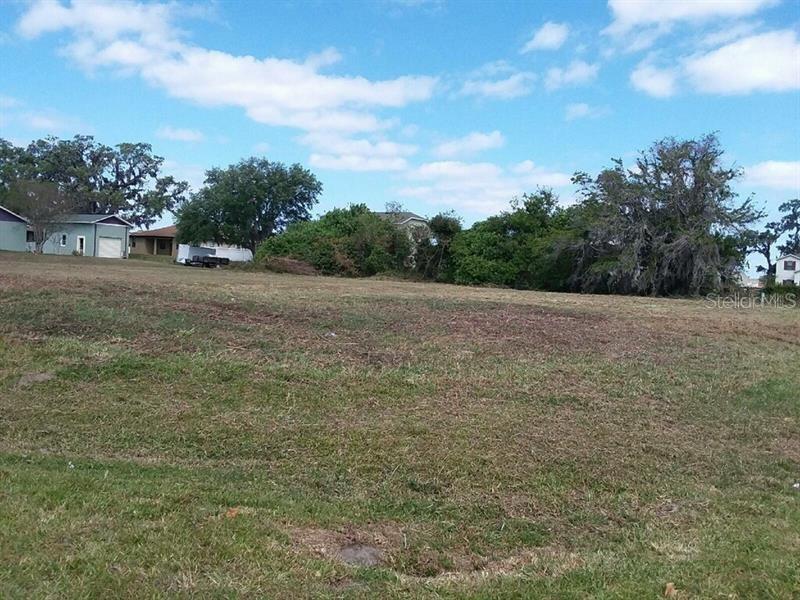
{"points": [[232, 433]]}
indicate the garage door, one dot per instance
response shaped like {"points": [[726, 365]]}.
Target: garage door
{"points": [[108, 247]]}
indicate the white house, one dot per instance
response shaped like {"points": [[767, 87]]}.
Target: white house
{"points": [[787, 269]]}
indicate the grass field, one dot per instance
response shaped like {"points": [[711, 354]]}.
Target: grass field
{"points": [[167, 431]]}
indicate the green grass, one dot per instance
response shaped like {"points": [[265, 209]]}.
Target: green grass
{"points": [[218, 433]]}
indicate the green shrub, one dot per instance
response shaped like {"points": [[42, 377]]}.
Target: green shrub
{"points": [[352, 241], [784, 294], [516, 248]]}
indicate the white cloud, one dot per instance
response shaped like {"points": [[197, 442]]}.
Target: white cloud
{"points": [[768, 62], [353, 162], [765, 62], [409, 131], [660, 83], [549, 36], [628, 14], [261, 148], [577, 73], [728, 33], [775, 174], [513, 86], [194, 174], [531, 174], [50, 122], [581, 110], [479, 188], [105, 20], [331, 151], [9, 102], [178, 134], [470, 144], [137, 38]]}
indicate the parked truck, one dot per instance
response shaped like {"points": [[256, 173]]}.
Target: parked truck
{"points": [[198, 256]]}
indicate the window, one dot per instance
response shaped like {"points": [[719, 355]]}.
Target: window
{"points": [[133, 242], [790, 265], [29, 236], [63, 239]]}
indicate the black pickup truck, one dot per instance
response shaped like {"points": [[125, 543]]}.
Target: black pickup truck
{"points": [[207, 261]]}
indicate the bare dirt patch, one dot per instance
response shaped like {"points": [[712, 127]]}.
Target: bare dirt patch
{"points": [[352, 546], [33, 378]]}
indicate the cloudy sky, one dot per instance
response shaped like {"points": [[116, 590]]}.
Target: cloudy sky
{"points": [[438, 104]]}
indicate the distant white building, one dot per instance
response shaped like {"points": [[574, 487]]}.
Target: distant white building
{"points": [[787, 269], [751, 282], [164, 242]]}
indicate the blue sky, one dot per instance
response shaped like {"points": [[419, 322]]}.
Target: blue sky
{"points": [[436, 104]]}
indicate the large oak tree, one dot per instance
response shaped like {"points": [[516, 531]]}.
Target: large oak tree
{"points": [[248, 202], [126, 179], [671, 225]]}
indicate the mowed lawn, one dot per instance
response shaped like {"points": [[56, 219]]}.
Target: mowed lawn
{"points": [[177, 432]]}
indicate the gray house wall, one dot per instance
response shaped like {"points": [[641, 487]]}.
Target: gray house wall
{"points": [[91, 231], [72, 230], [63, 239], [12, 232]]}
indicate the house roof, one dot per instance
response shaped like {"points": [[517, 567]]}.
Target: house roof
{"points": [[13, 214], [170, 231], [91, 218], [793, 256], [398, 218]]}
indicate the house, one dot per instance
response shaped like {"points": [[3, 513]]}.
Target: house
{"points": [[13, 231], [157, 242], [787, 269], [104, 236], [416, 227], [407, 221], [163, 242]]}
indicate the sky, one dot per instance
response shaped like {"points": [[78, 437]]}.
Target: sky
{"points": [[436, 104]]}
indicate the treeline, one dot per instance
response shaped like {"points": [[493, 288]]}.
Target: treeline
{"points": [[670, 225]]}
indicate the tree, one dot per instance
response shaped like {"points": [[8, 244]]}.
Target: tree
{"points": [[672, 225], [43, 204], [394, 207], [434, 252], [790, 223], [248, 202], [507, 249], [126, 179], [762, 242]]}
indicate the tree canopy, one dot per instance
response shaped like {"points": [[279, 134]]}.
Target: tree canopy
{"points": [[790, 225], [126, 179], [246, 203], [671, 225], [350, 241], [434, 255], [514, 247]]}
